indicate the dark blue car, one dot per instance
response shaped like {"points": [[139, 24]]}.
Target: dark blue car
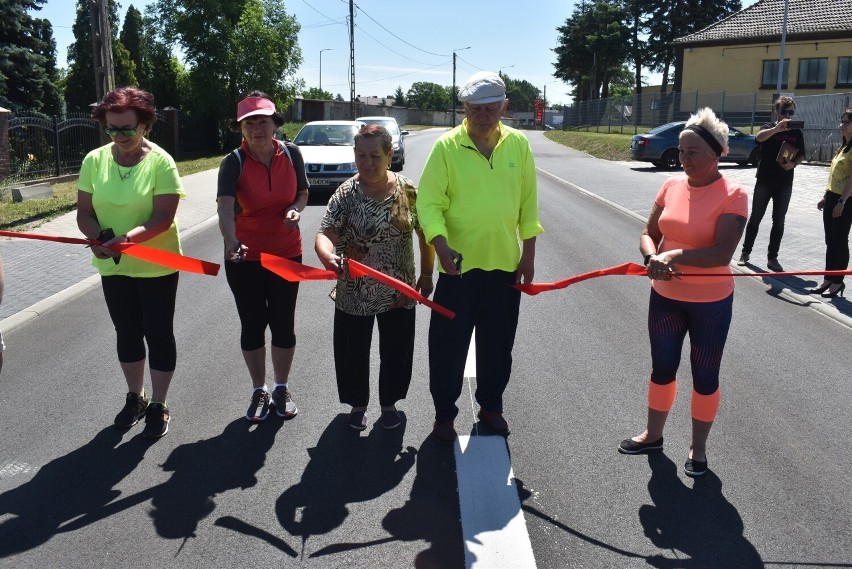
{"points": [[659, 146]]}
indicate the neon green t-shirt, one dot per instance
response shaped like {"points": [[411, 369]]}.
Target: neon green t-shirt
{"points": [[125, 204]]}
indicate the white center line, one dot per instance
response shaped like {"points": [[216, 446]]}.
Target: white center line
{"points": [[493, 526]]}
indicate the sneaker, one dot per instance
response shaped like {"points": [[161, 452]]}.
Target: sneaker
{"points": [[391, 419], [259, 407], [494, 420], [283, 402], [357, 420], [629, 446], [774, 266], [695, 468], [156, 421], [444, 432], [743, 261], [134, 409]]}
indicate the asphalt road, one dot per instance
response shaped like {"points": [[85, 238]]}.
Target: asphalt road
{"points": [[215, 492]]}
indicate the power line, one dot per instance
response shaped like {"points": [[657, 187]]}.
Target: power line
{"points": [[393, 76], [363, 31], [399, 38]]}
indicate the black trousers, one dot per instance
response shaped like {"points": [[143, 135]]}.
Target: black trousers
{"points": [[485, 301], [353, 336], [143, 310], [836, 236], [780, 195]]}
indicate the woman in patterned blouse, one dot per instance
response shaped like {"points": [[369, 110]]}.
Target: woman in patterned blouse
{"points": [[370, 218]]}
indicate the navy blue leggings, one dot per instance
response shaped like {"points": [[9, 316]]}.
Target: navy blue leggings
{"points": [[263, 299], [707, 324], [143, 309]]}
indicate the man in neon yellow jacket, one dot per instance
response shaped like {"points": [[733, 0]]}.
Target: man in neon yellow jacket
{"points": [[478, 206]]}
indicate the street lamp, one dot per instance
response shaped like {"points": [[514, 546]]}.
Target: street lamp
{"points": [[320, 81], [502, 68], [454, 82]]}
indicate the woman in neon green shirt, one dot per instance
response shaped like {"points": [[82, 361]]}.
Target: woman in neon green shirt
{"points": [[128, 192]]}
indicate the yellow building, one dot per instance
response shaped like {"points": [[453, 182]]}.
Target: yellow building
{"points": [[741, 53]]}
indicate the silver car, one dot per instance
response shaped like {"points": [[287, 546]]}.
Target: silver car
{"points": [[328, 148], [398, 160]]}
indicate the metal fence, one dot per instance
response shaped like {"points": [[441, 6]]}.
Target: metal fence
{"points": [[42, 146], [748, 112]]}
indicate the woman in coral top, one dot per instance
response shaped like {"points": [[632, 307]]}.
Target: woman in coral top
{"points": [[694, 227]]}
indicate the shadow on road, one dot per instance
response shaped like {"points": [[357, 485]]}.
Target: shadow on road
{"points": [[77, 484], [697, 521], [344, 468], [201, 471]]}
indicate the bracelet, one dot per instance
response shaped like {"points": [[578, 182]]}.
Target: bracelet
{"points": [[648, 258]]}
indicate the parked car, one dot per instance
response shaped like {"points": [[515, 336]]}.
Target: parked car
{"points": [[398, 160], [328, 148], [659, 146]]}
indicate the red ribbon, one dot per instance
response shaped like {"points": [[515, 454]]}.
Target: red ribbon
{"points": [[295, 272], [634, 270], [356, 269], [629, 269], [156, 256]]}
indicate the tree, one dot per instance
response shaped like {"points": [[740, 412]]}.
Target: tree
{"points": [[429, 96], [132, 39], [671, 19], [233, 47], [162, 74], [399, 98], [592, 44], [27, 58], [317, 94], [521, 94]]}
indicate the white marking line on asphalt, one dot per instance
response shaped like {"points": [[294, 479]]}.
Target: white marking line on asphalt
{"points": [[493, 525]]}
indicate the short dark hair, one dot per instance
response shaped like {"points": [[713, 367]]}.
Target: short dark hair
{"points": [[277, 118], [784, 101], [847, 144], [124, 99], [375, 131]]}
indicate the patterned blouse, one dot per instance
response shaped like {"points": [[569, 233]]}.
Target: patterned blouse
{"points": [[377, 234]]}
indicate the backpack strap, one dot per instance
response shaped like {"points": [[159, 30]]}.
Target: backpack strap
{"points": [[240, 154]]}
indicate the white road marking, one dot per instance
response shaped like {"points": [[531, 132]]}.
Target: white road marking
{"points": [[493, 526]]}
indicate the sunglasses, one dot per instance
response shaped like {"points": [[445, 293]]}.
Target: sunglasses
{"points": [[788, 113], [128, 132], [845, 122]]}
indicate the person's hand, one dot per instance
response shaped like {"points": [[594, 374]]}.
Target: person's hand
{"points": [[292, 217], [660, 268], [450, 259], [838, 210], [525, 271], [782, 125], [331, 262], [821, 204], [424, 285], [235, 251], [787, 165]]}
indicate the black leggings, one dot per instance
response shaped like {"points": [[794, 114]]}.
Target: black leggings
{"points": [[143, 310], [263, 299]]}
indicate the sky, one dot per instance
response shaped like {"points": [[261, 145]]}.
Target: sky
{"points": [[400, 42]]}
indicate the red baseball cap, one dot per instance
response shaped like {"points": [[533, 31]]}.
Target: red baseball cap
{"points": [[251, 106]]}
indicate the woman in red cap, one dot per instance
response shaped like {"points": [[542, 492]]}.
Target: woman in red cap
{"points": [[262, 190]]}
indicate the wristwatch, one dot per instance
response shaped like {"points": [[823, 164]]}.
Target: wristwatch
{"points": [[648, 259], [841, 201]]}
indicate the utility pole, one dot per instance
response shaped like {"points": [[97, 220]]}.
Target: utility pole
{"points": [[783, 43], [101, 48], [454, 82], [352, 114]]}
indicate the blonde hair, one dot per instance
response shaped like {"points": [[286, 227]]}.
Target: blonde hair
{"points": [[707, 119]]}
